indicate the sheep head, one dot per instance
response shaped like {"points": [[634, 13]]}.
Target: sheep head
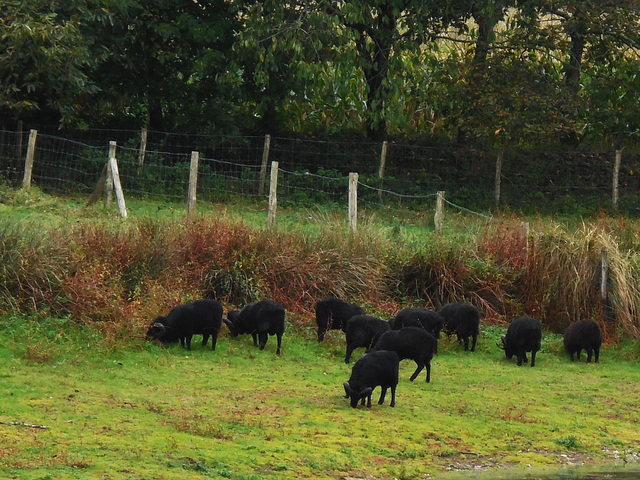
{"points": [[231, 326], [157, 330]]}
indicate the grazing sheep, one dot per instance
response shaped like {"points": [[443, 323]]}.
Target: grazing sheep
{"points": [[363, 331], [260, 319], [373, 369], [523, 335], [197, 317], [463, 319], [333, 313], [583, 335], [430, 320], [414, 343]]}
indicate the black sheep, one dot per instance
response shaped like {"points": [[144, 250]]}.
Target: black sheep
{"points": [[363, 331], [197, 317], [260, 319], [414, 343], [583, 335], [374, 369], [463, 319], [430, 320], [333, 313], [523, 335]]}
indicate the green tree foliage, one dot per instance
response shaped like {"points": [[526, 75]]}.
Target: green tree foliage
{"points": [[43, 57], [488, 72], [165, 63]]}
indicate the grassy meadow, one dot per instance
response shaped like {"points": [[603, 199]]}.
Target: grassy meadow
{"points": [[85, 396], [140, 410]]}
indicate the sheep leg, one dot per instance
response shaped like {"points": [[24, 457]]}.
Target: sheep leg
{"points": [[279, 336], [255, 339], [418, 370], [263, 339], [214, 340], [350, 350], [382, 395], [597, 354], [205, 339], [393, 396], [533, 358], [188, 342], [473, 344], [589, 353]]}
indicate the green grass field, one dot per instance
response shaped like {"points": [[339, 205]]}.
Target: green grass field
{"points": [[78, 285], [137, 410]]}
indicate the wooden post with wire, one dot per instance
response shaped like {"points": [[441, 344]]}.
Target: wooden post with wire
{"points": [[143, 150], [438, 218], [28, 166], [353, 202], [193, 184], [273, 198], [108, 184], [616, 178], [383, 164], [265, 159], [117, 186]]}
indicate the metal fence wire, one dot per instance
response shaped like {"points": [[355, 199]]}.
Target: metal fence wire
{"points": [[312, 172]]}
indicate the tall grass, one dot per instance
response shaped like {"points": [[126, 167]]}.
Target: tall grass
{"points": [[121, 274]]}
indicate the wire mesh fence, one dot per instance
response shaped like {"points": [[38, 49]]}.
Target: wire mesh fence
{"points": [[312, 172]]}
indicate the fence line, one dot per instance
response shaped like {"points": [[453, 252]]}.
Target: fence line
{"points": [[316, 171]]}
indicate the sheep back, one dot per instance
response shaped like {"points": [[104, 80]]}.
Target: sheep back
{"points": [[523, 335], [463, 319], [379, 368], [413, 343], [363, 331], [583, 335], [430, 320], [199, 317], [333, 313]]}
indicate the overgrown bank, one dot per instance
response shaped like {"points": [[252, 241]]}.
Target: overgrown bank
{"points": [[61, 257]]}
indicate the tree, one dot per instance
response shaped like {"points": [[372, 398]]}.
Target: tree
{"points": [[43, 57], [164, 63]]}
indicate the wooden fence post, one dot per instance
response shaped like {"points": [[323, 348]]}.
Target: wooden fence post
{"points": [[383, 164], [353, 202], [498, 179], [28, 166], [439, 216], [193, 184], [115, 175], [108, 183], [143, 150], [265, 159], [273, 198], [616, 177]]}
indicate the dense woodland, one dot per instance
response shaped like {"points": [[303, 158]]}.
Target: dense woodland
{"points": [[476, 72]]}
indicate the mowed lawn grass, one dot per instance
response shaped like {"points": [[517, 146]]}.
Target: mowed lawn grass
{"points": [[142, 411]]}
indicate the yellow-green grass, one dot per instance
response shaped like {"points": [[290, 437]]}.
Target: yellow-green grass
{"points": [[138, 410]]}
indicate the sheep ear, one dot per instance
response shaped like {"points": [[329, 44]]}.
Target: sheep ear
{"points": [[347, 390]]}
